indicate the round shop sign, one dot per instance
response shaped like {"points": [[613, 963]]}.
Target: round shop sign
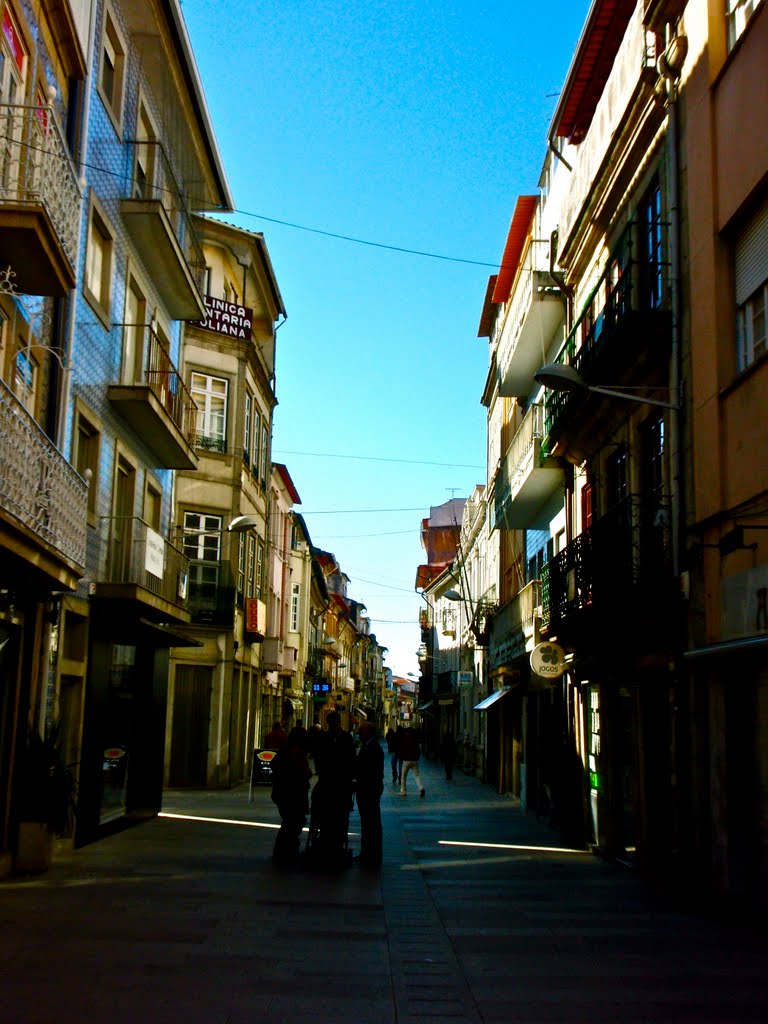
{"points": [[548, 660]]}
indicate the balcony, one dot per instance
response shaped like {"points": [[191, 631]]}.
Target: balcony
{"points": [[618, 569], [626, 323], [155, 214], [42, 498], [40, 202], [534, 314], [211, 593], [515, 625], [279, 656], [159, 408], [527, 478], [142, 569]]}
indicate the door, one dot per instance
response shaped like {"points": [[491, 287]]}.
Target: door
{"points": [[190, 726]]}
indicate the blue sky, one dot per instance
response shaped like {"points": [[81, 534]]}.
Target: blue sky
{"points": [[408, 124]]}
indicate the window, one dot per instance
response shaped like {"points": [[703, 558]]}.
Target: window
{"points": [[260, 571], [13, 61], [264, 454], [134, 332], [202, 537], [153, 503], [616, 477], [247, 429], [112, 69], [651, 248], [210, 395], [751, 281], [251, 569], [652, 459], [241, 565], [98, 263], [87, 441], [295, 592], [25, 378], [256, 443], [145, 156], [739, 12]]}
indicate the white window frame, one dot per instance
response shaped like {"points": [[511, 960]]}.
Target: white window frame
{"points": [[99, 260], [295, 604], [752, 327], [201, 536], [211, 396], [738, 14], [247, 428]]}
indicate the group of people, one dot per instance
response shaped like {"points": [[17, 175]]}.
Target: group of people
{"points": [[343, 774]]}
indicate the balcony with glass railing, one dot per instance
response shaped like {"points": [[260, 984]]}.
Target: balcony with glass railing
{"points": [[40, 201], [532, 318], [515, 625], [158, 405], [43, 501], [527, 478], [614, 568], [625, 324], [142, 567], [211, 593], [156, 213]]}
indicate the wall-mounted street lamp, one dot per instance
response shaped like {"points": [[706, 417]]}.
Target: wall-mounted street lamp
{"points": [[564, 378], [240, 524]]}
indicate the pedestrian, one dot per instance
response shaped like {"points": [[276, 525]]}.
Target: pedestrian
{"points": [[290, 791], [332, 795], [410, 753], [393, 744], [276, 738], [369, 785], [448, 753]]}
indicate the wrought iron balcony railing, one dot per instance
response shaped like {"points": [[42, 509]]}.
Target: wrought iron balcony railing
{"points": [[153, 179], [164, 380], [139, 555], [627, 313], [628, 549], [36, 169], [38, 487], [211, 593]]}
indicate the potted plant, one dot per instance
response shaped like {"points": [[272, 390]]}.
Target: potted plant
{"points": [[47, 800]]}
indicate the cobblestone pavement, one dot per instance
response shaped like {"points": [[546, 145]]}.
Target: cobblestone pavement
{"points": [[478, 914]]}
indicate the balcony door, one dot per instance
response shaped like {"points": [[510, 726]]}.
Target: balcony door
{"points": [[13, 67], [134, 333], [122, 522]]}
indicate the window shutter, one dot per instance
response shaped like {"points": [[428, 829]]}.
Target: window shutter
{"points": [[752, 255]]}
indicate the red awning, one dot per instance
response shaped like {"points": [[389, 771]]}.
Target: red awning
{"points": [[592, 62], [518, 233]]}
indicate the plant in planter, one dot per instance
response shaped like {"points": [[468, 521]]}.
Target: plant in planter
{"points": [[47, 801]]}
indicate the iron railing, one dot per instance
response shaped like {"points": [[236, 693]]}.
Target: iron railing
{"points": [[628, 306], [36, 169], [38, 487], [211, 593], [153, 179], [139, 555], [626, 549], [165, 382]]}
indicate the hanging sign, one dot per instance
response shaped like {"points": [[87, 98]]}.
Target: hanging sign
{"points": [[548, 660]]}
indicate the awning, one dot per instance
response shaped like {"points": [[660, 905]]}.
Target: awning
{"points": [[485, 704], [745, 645], [423, 707]]}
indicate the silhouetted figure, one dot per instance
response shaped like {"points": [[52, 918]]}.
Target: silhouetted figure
{"points": [[290, 791], [332, 795], [369, 785], [393, 745], [276, 738], [448, 754], [410, 754]]}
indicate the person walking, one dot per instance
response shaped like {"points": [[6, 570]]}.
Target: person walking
{"points": [[393, 745], [332, 795], [410, 753], [290, 791], [276, 738], [448, 752], [369, 785]]}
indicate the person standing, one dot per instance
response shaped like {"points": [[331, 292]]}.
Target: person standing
{"points": [[369, 785], [393, 743], [410, 754], [290, 791], [448, 754], [276, 738], [332, 794]]}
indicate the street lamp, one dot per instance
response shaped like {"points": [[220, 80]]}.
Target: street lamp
{"points": [[240, 524], [564, 378]]}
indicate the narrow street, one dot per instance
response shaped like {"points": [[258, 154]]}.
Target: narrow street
{"points": [[185, 920]]}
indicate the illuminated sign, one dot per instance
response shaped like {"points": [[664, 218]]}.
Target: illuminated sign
{"points": [[252, 615]]}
